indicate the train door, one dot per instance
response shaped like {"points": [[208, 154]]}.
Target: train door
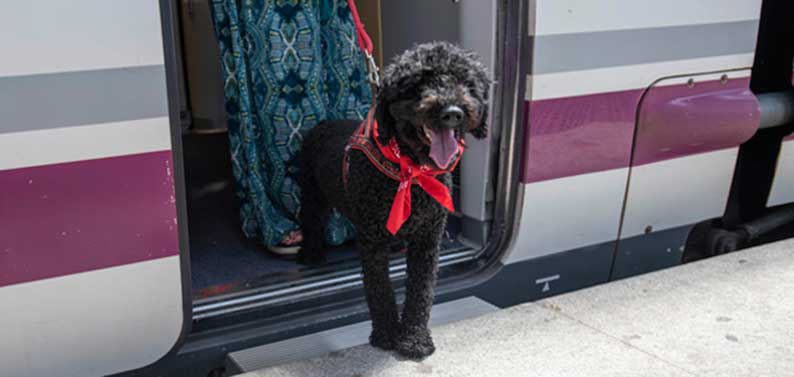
{"points": [[91, 279]]}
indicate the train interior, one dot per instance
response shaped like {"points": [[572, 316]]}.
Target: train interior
{"points": [[223, 260]]}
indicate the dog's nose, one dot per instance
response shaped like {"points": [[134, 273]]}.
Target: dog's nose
{"points": [[451, 116]]}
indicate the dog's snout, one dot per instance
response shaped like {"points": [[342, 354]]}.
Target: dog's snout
{"points": [[452, 116]]}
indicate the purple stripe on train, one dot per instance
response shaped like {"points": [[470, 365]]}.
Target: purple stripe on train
{"points": [[592, 133], [678, 120], [68, 218], [577, 135]]}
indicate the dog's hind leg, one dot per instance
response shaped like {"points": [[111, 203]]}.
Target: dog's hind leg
{"points": [[380, 294], [414, 340], [312, 252], [313, 217]]}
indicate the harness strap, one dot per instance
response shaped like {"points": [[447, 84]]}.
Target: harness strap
{"points": [[360, 140], [363, 139]]}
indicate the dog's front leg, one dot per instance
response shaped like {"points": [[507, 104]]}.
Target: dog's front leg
{"points": [[414, 340], [380, 294]]}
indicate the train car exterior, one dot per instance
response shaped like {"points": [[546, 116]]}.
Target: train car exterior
{"points": [[620, 123]]}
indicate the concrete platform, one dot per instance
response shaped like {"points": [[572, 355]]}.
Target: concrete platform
{"points": [[729, 316]]}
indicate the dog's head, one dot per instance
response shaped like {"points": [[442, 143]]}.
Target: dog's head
{"points": [[432, 95]]}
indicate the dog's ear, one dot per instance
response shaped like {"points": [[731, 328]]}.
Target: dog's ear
{"points": [[400, 110], [480, 85], [388, 117], [386, 129], [481, 130]]}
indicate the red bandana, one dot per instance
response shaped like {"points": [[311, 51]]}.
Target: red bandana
{"points": [[410, 172]]}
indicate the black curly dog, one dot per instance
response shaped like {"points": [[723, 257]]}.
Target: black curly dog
{"points": [[431, 96]]}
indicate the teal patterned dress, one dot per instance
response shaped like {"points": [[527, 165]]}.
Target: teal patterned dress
{"points": [[287, 65]]}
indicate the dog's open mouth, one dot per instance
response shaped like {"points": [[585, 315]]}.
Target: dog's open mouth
{"points": [[443, 146]]}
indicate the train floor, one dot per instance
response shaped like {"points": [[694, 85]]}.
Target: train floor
{"points": [[222, 258], [723, 316]]}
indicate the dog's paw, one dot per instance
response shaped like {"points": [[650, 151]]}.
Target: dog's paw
{"points": [[415, 344], [381, 340], [311, 258]]}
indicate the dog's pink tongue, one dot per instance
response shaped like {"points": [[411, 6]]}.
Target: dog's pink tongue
{"points": [[443, 147]]}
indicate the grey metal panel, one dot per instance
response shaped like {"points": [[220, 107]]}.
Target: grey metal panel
{"points": [[54, 100], [407, 22], [650, 252], [202, 67], [581, 51], [479, 35], [777, 109], [321, 343]]}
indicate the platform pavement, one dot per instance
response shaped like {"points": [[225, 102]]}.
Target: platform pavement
{"points": [[730, 316]]}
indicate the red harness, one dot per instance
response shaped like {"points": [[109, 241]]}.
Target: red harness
{"points": [[391, 163]]}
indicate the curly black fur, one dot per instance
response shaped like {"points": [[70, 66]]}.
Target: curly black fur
{"points": [[416, 86]]}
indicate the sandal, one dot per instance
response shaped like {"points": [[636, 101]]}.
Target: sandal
{"points": [[289, 246]]}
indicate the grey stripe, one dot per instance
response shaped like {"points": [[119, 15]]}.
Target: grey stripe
{"points": [[78, 98], [580, 51]]}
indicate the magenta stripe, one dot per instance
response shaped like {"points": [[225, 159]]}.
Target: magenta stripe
{"points": [[587, 134], [677, 121], [577, 135], [67, 218]]}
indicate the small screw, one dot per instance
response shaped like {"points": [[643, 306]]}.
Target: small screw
{"points": [[724, 79], [690, 83], [648, 229]]}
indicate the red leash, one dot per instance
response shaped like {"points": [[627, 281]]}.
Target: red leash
{"points": [[365, 43]]}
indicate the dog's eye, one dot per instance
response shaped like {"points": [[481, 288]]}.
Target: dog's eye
{"points": [[473, 87]]}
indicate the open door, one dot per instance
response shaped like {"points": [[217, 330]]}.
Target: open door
{"points": [[91, 279]]}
